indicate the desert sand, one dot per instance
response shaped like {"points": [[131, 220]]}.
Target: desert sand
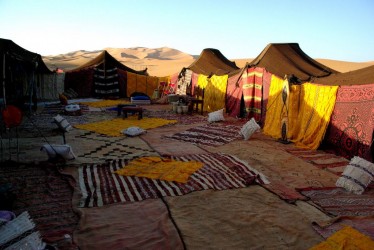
{"points": [[164, 61]]}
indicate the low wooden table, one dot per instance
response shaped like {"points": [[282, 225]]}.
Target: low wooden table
{"points": [[134, 110]]}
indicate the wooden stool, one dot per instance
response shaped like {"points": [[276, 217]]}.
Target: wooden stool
{"points": [[134, 110]]}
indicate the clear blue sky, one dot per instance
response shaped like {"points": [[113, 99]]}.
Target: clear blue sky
{"points": [[330, 29]]}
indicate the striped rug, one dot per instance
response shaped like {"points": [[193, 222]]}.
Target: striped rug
{"points": [[211, 134], [99, 185]]}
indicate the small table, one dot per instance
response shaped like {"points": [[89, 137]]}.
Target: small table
{"points": [[134, 110]]}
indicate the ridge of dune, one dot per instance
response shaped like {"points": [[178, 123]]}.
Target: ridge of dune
{"points": [[163, 61]]}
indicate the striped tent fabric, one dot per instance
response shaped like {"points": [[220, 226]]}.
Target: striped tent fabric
{"points": [[100, 186], [106, 82], [252, 92]]}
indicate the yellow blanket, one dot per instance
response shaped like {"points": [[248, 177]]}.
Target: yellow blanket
{"points": [[161, 168], [105, 103], [309, 108], [115, 126], [346, 238]]}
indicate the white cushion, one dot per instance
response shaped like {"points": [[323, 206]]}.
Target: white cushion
{"points": [[64, 150], [249, 128], [133, 131], [357, 175], [62, 123], [72, 107], [216, 116]]}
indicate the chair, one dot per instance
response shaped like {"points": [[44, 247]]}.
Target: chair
{"points": [[196, 100], [12, 118]]}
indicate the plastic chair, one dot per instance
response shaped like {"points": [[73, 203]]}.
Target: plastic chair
{"points": [[12, 118]]}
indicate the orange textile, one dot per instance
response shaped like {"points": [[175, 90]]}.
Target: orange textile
{"points": [[161, 168]]}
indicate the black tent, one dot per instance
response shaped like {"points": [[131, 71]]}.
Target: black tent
{"points": [[21, 71]]}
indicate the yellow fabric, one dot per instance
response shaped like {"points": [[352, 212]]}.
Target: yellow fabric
{"points": [[307, 112], [115, 126], [346, 238], [105, 103], [202, 81], [144, 84], [274, 108], [314, 116], [214, 93], [161, 168]]}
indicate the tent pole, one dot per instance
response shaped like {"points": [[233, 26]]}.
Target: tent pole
{"points": [[4, 99]]}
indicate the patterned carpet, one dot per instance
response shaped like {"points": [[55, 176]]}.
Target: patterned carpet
{"points": [[45, 194], [100, 186], [212, 134]]}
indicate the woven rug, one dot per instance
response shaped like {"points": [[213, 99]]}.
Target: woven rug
{"points": [[363, 224], [338, 202], [58, 108], [45, 194], [212, 134], [320, 159], [100, 186]]}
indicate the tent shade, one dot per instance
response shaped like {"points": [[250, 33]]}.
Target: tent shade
{"points": [[287, 58], [356, 77], [106, 61], [212, 61]]}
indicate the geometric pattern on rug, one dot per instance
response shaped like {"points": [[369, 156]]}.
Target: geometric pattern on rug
{"points": [[320, 159], [100, 186], [110, 148], [339, 202], [45, 194], [363, 224], [211, 134]]}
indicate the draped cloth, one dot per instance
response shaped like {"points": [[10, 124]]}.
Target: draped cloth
{"points": [[252, 92], [140, 83], [309, 108], [350, 132], [214, 94]]}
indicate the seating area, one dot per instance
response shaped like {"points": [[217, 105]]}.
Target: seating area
{"points": [[197, 100]]}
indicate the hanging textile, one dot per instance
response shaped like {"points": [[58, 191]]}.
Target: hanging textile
{"points": [[350, 132], [274, 108], [214, 93], [106, 82], [184, 82], [252, 92], [234, 93]]}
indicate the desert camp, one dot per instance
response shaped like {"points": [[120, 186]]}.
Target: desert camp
{"points": [[202, 125], [270, 136]]}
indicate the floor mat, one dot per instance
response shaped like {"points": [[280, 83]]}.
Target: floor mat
{"points": [[182, 119], [212, 134], [99, 186], [46, 195], [339, 202]]}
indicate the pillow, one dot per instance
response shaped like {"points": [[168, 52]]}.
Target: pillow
{"points": [[133, 131], [72, 107], [216, 116], [62, 123], [249, 128], [357, 175], [53, 150]]}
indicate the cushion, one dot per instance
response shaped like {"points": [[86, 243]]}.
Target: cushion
{"points": [[72, 107], [62, 123], [133, 131], [216, 116], [63, 150], [249, 128], [357, 175]]}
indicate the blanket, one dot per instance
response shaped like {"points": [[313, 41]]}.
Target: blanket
{"points": [[160, 168], [213, 134], [100, 186]]}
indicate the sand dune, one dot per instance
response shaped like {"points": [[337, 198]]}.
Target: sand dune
{"points": [[163, 61]]}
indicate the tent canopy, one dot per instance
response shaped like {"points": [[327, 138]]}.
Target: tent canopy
{"points": [[106, 61], [16, 54], [356, 77], [287, 58], [212, 61]]}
